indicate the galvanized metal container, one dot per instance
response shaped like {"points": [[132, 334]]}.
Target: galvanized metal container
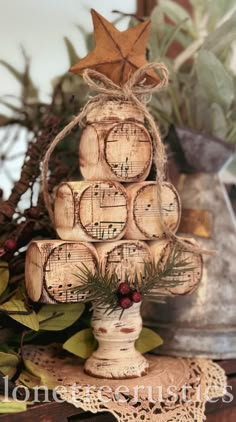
{"points": [[204, 323]]}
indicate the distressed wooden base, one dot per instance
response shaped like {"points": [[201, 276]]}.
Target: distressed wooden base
{"points": [[132, 366], [116, 356]]}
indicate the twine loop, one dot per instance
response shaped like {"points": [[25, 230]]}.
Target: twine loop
{"points": [[134, 90], [137, 92]]}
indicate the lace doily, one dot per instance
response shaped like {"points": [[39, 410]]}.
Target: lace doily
{"points": [[174, 390]]}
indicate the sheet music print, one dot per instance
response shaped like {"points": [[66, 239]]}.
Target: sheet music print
{"points": [[187, 279], [102, 210], [147, 212], [62, 263], [128, 150], [127, 258]]}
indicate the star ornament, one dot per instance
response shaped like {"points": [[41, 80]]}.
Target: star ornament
{"points": [[117, 54]]}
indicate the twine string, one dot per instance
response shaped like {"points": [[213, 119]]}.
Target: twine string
{"points": [[135, 91]]}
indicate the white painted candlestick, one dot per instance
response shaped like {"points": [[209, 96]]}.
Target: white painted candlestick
{"points": [[116, 356]]}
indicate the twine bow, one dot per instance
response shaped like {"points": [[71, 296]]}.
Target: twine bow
{"points": [[133, 88], [134, 91]]}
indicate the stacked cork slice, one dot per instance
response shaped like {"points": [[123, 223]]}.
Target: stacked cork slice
{"points": [[113, 203], [112, 220]]}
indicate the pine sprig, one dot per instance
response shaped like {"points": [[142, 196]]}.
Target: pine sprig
{"points": [[159, 276], [98, 286], [102, 287]]}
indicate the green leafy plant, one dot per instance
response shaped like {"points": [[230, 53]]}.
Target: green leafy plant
{"points": [[148, 340], [23, 216], [83, 343], [197, 48], [13, 406], [8, 363]]}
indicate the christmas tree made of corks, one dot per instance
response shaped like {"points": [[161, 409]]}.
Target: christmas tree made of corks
{"points": [[117, 230]]}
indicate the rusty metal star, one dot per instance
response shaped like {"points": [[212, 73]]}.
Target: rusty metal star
{"points": [[117, 54]]}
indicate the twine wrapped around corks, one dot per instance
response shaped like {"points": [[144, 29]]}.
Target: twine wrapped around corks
{"points": [[137, 92]]}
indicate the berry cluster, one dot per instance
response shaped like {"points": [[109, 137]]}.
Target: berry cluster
{"points": [[9, 246], [127, 296]]}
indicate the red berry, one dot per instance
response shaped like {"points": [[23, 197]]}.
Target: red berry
{"points": [[124, 289], [125, 302], [10, 245], [136, 296], [1, 193]]}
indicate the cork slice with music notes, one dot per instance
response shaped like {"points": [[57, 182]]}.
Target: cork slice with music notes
{"points": [[188, 276], [51, 266], [126, 257], [116, 147], [91, 211], [147, 212]]}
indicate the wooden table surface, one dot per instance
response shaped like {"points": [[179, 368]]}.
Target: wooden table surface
{"points": [[64, 412]]}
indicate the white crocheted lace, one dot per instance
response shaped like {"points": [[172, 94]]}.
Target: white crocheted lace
{"points": [[148, 398]]}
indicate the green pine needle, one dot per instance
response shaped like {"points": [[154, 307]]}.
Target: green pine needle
{"points": [[102, 287]]}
